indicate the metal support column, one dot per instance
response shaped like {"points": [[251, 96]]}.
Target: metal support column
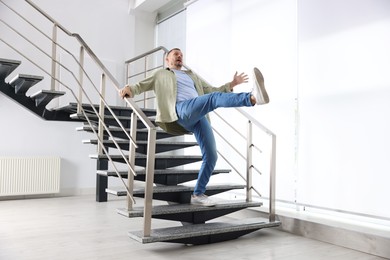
{"points": [[101, 181], [249, 163]]}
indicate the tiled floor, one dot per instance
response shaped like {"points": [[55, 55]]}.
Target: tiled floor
{"points": [[80, 228]]}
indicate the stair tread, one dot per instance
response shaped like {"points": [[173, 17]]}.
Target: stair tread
{"points": [[162, 171], [115, 129], [180, 188], [94, 141], [16, 62], [138, 155], [142, 133], [23, 82], [73, 107], [7, 67], [45, 92], [183, 208], [125, 117], [81, 116], [197, 230], [159, 142], [25, 76]]}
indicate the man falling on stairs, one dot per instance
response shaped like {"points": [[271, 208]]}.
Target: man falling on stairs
{"points": [[183, 101]]}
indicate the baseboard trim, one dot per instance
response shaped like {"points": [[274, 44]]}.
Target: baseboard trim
{"points": [[375, 242]]}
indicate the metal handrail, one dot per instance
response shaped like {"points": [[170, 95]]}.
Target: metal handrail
{"points": [[141, 56], [144, 119], [74, 95], [136, 110], [101, 119], [53, 60], [250, 166], [54, 79]]}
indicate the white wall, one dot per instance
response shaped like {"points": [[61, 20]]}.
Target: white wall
{"points": [[110, 31], [326, 66]]}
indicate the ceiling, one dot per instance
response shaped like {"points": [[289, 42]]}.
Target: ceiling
{"points": [[150, 6]]}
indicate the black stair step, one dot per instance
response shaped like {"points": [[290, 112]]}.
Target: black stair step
{"points": [[161, 161], [191, 213], [161, 146], [118, 110], [110, 120], [22, 82], [198, 234], [7, 67], [142, 134], [179, 193], [30, 104], [165, 177], [43, 97]]}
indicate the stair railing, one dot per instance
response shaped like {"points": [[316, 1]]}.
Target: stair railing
{"points": [[137, 113], [149, 62], [251, 121], [250, 146]]}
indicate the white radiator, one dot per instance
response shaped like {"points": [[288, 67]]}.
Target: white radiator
{"points": [[29, 175]]}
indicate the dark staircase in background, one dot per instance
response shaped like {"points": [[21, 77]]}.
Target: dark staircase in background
{"points": [[169, 177], [17, 87]]}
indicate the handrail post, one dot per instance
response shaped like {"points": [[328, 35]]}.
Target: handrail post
{"points": [[149, 182], [130, 175], [127, 65], [101, 111], [54, 58], [81, 78], [249, 163], [272, 181], [163, 58], [145, 71]]}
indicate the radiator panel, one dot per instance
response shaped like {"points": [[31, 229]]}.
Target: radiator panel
{"points": [[29, 175]]}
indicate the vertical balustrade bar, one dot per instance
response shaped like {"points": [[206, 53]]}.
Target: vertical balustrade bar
{"points": [[54, 59], [149, 181], [127, 65], [272, 181], [81, 78], [101, 111], [249, 162], [130, 176], [145, 71], [163, 59]]}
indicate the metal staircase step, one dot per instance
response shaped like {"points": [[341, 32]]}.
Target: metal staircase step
{"points": [[43, 97], [110, 120], [191, 213], [161, 161], [117, 132], [165, 177], [22, 82], [161, 146], [179, 193], [198, 234], [118, 110], [7, 67], [30, 104]]}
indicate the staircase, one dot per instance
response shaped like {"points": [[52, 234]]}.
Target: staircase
{"points": [[155, 168], [18, 86]]}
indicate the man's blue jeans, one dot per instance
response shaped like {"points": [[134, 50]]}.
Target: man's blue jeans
{"points": [[192, 116]]}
